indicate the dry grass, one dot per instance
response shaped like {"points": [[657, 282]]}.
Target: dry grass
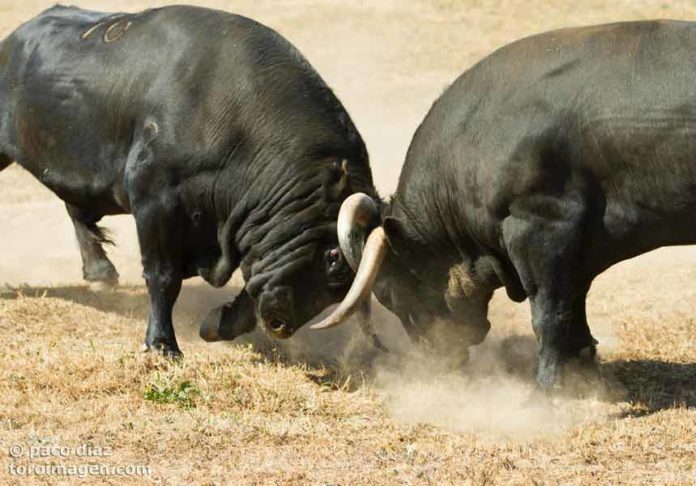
{"points": [[323, 408], [71, 375]]}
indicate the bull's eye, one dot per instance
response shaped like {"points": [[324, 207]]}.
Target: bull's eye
{"points": [[333, 256], [337, 271], [333, 259]]}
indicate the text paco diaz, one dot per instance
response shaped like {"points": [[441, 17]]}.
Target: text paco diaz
{"points": [[83, 450]]}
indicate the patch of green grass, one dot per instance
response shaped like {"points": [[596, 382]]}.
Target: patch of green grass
{"points": [[183, 394]]}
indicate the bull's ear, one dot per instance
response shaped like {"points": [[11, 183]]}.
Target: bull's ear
{"points": [[336, 180], [396, 234]]}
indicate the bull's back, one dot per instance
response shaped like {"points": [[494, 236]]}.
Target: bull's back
{"points": [[82, 85], [609, 111], [596, 82], [66, 115]]}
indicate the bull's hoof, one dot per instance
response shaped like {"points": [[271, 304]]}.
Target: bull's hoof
{"points": [[588, 354], [550, 372], [548, 386], [101, 275], [575, 375], [170, 351]]}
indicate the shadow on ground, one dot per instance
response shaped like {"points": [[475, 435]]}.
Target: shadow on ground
{"points": [[649, 385], [132, 301], [336, 352], [654, 385], [345, 357]]}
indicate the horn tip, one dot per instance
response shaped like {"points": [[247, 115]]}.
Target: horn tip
{"points": [[322, 325]]}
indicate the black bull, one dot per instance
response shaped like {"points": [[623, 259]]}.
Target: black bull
{"points": [[546, 163], [212, 130]]}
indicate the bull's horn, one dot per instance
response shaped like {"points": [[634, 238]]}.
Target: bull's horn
{"points": [[372, 258], [359, 214]]}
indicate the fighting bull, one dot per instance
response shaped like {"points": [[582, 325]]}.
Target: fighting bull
{"points": [[213, 131], [549, 161]]}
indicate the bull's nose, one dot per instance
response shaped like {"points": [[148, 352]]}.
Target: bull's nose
{"points": [[277, 328], [275, 325]]}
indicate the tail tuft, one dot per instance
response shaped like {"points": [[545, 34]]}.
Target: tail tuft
{"points": [[101, 235]]}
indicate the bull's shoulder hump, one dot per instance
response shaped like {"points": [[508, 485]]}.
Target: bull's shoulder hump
{"points": [[524, 71], [595, 43], [58, 25], [62, 16], [231, 34], [183, 25]]}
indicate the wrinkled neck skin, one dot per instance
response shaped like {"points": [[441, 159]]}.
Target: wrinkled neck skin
{"points": [[453, 276], [286, 211], [264, 219], [443, 210], [283, 225], [439, 235]]}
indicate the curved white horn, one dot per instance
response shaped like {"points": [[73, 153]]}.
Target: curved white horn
{"points": [[359, 213], [373, 256]]}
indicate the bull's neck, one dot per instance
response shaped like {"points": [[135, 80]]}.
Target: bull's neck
{"points": [[284, 217], [437, 224], [429, 226], [449, 233]]}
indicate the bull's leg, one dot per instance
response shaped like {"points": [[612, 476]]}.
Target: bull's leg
{"points": [[581, 343], [97, 269], [163, 286], [545, 250], [160, 241], [553, 319]]}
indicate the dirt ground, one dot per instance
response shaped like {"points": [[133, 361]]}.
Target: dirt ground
{"points": [[325, 408]]}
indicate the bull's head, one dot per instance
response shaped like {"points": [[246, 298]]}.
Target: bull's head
{"points": [[293, 265], [434, 296], [301, 292]]}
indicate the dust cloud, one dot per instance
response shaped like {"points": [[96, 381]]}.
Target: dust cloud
{"points": [[493, 394]]}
